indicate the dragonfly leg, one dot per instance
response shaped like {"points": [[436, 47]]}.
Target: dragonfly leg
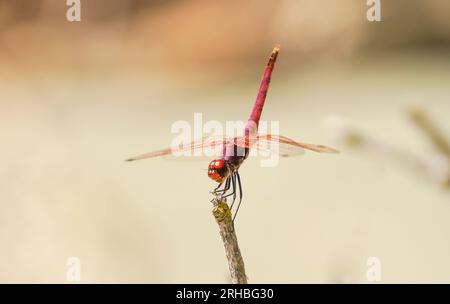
{"points": [[233, 193], [240, 195], [217, 188], [234, 190], [216, 191]]}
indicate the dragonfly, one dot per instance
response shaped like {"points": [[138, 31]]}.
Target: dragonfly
{"points": [[235, 150]]}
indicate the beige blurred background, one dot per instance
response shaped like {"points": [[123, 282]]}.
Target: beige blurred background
{"points": [[78, 98]]}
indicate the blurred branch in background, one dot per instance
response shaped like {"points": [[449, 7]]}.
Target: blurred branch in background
{"points": [[435, 167], [419, 117]]}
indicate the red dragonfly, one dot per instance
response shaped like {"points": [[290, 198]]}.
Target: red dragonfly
{"points": [[225, 170]]}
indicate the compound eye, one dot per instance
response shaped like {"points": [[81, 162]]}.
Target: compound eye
{"points": [[218, 164]]}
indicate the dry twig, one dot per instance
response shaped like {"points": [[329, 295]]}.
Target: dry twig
{"points": [[222, 214]]}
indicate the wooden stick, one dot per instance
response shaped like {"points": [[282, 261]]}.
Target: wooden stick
{"points": [[222, 214]]}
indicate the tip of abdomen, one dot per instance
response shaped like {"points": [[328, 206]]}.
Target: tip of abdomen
{"points": [[273, 56]]}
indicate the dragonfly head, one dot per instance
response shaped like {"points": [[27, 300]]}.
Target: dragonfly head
{"points": [[218, 170]]}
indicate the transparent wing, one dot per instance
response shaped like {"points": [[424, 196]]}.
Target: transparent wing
{"points": [[207, 146], [273, 147], [285, 141], [279, 144], [214, 146]]}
